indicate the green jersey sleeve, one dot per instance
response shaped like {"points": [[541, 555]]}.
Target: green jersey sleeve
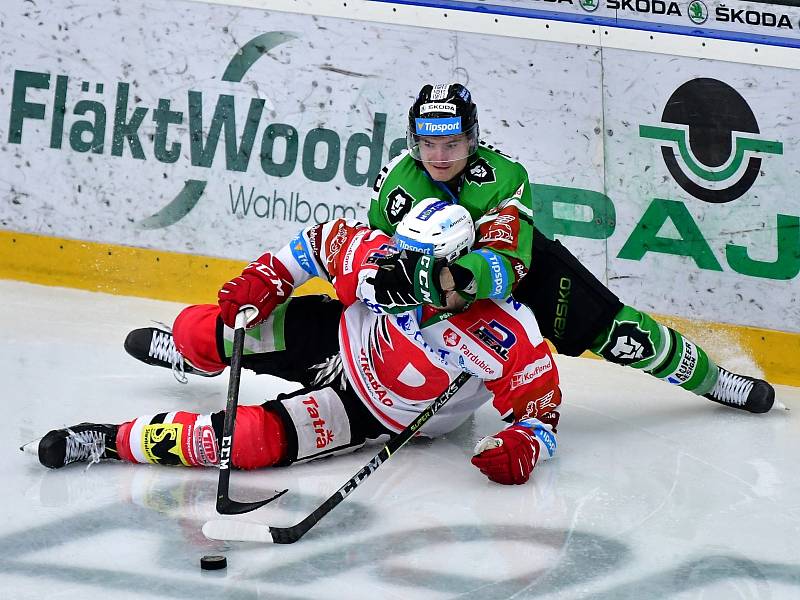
{"points": [[501, 255]]}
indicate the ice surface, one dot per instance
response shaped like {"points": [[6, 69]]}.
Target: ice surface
{"points": [[654, 493]]}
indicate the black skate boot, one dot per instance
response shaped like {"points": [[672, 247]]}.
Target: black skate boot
{"points": [[740, 391], [86, 442], [155, 346]]}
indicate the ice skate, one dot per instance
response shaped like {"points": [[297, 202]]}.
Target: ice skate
{"points": [[156, 346], [740, 391], [86, 442]]}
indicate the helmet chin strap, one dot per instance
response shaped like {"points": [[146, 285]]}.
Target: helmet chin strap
{"points": [[451, 187]]}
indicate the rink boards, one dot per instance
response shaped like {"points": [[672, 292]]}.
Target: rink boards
{"points": [[142, 141], [196, 279]]}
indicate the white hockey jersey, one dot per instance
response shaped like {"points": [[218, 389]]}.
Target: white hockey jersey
{"points": [[398, 364]]}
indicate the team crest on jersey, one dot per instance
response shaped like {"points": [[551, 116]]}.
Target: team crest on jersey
{"points": [[451, 338], [539, 406], [502, 229], [498, 338], [480, 172], [375, 256], [399, 202], [627, 344]]}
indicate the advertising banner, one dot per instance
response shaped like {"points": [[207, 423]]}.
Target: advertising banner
{"points": [[700, 157], [222, 131], [751, 21]]}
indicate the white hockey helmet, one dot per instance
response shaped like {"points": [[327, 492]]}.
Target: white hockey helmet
{"points": [[436, 227]]}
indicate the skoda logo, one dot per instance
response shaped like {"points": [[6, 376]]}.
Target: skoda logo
{"points": [[698, 12], [710, 140]]}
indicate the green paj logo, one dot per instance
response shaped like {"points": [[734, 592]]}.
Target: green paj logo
{"points": [[83, 125], [717, 137]]}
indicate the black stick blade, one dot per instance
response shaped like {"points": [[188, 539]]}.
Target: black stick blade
{"points": [[226, 506]]}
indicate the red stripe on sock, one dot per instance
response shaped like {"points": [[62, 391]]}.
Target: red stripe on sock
{"points": [[124, 442]]}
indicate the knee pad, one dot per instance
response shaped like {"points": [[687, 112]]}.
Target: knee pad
{"points": [[633, 338], [259, 438], [195, 335]]}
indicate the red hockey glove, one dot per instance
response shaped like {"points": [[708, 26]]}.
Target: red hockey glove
{"points": [[263, 285], [508, 457]]}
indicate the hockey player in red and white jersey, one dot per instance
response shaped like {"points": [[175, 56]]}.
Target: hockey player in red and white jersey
{"points": [[368, 367]]}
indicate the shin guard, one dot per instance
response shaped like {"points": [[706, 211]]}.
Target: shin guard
{"points": [[189, 439], [637, 340]]}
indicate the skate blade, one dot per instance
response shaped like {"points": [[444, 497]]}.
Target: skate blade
{"points": [[31, 447]]}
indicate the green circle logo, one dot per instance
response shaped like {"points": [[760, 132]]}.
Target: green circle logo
{"points": [[589, 5], [711, 142], [698, 12]]}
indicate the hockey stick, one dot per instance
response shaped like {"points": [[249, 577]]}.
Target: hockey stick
{"points": [[251, 532], [226, 505]]}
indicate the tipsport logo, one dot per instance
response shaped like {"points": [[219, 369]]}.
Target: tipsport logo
{"points": [[711, 142], [407, 243], [447, 126]]}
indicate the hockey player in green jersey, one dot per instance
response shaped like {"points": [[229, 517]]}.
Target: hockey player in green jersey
{"points": [[456, 168], [576, 312]]}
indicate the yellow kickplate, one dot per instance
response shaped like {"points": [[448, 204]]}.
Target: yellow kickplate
{"points": [[193, 279], [122, 270]]}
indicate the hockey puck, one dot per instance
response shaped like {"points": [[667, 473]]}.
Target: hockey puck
{"points": [[213, 562]]}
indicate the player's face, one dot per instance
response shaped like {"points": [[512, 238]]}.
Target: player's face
{"points": [[444, 157]]}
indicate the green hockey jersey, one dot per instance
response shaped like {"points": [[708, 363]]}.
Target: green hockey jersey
{"points": [[496, 192]]}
